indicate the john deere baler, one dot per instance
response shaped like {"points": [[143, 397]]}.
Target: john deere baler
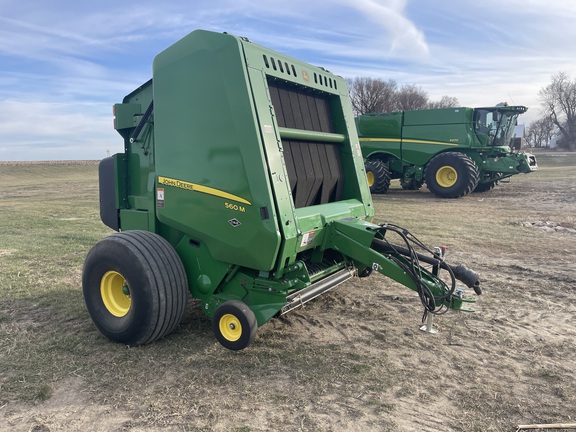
{"points": [[232, 188]]}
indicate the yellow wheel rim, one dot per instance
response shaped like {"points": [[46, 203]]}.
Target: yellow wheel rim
{"points": [[370, 177], [115, 293], [446, 176], [230, 327]]}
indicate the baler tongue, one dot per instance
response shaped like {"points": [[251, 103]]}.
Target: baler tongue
{"points": [[366, 245]]}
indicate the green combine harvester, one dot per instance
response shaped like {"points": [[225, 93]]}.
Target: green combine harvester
{"points": [[454, 151], [241, 183]]}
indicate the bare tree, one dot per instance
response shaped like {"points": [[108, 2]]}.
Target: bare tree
{"points": [[372, 95], [411, 97], [559, 100], [540, 132], [444, 102]]}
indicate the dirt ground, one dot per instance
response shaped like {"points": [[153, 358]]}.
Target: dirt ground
{"points": [[355, 359]]}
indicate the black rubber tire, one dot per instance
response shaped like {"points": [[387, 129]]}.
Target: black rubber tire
{"points": [[378, 176], [411, 184], [234, 325], [150, 271], [488, 183], [462, 179], [485, 187]]}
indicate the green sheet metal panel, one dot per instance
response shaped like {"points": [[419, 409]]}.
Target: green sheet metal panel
{"points": [[222, 161], [210, 167], [438, 116], [308, 133], [380, 133], [429, 132]]}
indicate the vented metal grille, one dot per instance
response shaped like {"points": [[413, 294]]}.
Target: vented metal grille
{"points": [[314, 167]]}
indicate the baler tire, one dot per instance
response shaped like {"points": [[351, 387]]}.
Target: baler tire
{"points": [[378, 176], [234, 325], [411, 184], [451, 175], [135, 287]]}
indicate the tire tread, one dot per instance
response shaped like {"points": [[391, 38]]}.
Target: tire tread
{"points": [[165, 275], [452, 158], [381, 175]]}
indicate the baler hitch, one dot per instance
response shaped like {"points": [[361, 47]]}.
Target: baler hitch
{"points": [[365, 243], [469, 277]]}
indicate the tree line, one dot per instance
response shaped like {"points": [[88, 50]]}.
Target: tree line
{"points": [[558, 99], [558, 118], [375, 95]]}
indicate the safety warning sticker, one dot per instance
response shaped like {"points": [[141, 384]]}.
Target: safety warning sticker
{"points": [[160, 197], [307, 238]]}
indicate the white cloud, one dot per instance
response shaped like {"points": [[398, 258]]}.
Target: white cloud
{"points": [[64, 66], [43, 130], [389, 15], [347, 27]]}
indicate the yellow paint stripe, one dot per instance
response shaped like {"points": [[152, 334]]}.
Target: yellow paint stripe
{"points": [[166, 181], [411, 141], [379, 139], [408, 141]]}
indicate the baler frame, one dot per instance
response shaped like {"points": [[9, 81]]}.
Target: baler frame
{"points": [[241, 183]]}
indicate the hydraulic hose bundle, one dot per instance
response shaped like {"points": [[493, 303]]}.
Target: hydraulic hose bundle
{"points": [[409, 260]]}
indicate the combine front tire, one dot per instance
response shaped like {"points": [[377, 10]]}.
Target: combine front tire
{"points": [[234, 325], [378, 176], [135, 287], [451, 175]]}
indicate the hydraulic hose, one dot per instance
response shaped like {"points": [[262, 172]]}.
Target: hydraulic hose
{"points": [[469, 277]]}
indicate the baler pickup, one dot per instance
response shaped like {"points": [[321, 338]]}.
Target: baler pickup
{"points": [[241, 183]]}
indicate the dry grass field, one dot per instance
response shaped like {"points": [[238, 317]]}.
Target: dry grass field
{"points": [[352, 360]]}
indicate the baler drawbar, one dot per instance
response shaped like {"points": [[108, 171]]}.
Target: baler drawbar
{"points": [[243, 185]]}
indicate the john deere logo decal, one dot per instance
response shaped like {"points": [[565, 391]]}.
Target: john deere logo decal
{"points": [[181, 184]]}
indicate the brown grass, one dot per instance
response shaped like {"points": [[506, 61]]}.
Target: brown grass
{"points": [[353, 359]]}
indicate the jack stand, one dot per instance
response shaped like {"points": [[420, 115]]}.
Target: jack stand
{"points": [[428, 327]]}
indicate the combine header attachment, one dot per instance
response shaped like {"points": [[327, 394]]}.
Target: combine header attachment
{"points": [[232, 189]]}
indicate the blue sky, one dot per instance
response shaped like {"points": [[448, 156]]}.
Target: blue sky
{"points": [[64, 64]]}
